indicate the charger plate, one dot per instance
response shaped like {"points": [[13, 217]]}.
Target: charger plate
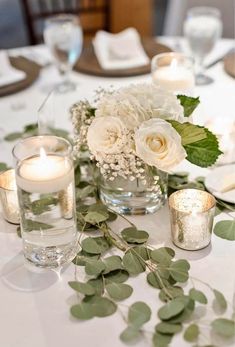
{"points": [[89, 64], [31, 70]]}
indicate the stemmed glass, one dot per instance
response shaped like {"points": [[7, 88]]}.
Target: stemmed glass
{"points": [[63, 35], [202, 28]]}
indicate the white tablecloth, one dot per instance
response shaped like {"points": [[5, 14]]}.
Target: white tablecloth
{"points": [[35, 306]]}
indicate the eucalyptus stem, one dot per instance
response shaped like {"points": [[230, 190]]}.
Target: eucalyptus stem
{"points": [[123, 217], [106, 231]]}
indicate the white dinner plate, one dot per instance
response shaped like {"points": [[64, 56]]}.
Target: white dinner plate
{"points": [[214, 181]]}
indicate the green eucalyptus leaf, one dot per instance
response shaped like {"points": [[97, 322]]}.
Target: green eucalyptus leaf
{"points": [[112, 263], [118, 276], [94, 267], [81, 311], [84, 192], [95, 245], [198, 296], [30, 127], [171, 309], [220, 300], [13, 136], [154, 279], [84, 288], [100, 307], [161, 340], [43, 205], [189, 104], [163, 255], [189, 306], [130, 334], [191, 333], [3, 166], [132, 235], [119, 291], [179, 270], [83, 257], [225, 229], [95, 217], [132, 263], [30, 225], [224, 327], [138, 314], [170, 293], [18, 231], [97, 284], [168, 328], [112, 216]]}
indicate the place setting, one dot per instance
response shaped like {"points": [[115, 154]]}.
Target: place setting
{"points": [[121, 220]]}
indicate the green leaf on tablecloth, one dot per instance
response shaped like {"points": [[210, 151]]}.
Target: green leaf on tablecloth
{"points": [[100, 307], [161, 340], [170, 293], [189, 133], [179, 270], [198, 296], [112, 263], [220, 300], [95, 217], [118, 276], [138, 314], [83, 257], [3, 166], [132, 263], [30, 225], [84, 288], [189, 306], [168, 328], [163, 255], [224, 327], [30, 127], [97, 284], [189, 104], [191, 333], [225, 229], [130, 334], [82, 311], [154, 279], [95, 245], [94, 267], [119, 291], [171, 309], [13, 136], [133, 235], [42, 205], [84, 192], [112, 216]]}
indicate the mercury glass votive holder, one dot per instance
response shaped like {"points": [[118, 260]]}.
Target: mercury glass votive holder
{"points": [[191, 214], [8, 197], [46, 193]]}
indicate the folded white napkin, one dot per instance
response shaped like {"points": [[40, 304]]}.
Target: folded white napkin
{"points": [[8, 74], [119, 51]]}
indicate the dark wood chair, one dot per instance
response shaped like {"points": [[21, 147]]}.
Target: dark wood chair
{"points": [[93, 14]]}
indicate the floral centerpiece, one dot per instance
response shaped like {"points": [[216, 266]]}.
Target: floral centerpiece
{"points": [[135, 136]]}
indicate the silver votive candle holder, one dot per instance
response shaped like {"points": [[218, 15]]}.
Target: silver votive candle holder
{"points": [[8, 196], [191, 214]]}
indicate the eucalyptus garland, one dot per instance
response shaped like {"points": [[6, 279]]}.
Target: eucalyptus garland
{"points": [[107, 275]]}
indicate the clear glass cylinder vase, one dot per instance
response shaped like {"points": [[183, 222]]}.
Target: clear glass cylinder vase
{"points": [[139, 196]]}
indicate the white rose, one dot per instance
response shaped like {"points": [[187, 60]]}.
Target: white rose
{"points": [[106, 135], [158, 144]]}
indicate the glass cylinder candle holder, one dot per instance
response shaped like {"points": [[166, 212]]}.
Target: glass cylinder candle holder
{"points": [[8, 197], [174, 72], [191, 213], [46, 193]]}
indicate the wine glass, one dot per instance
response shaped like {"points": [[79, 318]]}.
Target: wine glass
{"points": [[63, 35], [202, 28]]}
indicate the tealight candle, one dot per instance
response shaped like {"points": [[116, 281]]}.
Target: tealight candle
{"points": [[192, 213], [174, 72], [8, 196]]}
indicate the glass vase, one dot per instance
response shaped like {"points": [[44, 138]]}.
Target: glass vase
{"points": [[139, 196]]}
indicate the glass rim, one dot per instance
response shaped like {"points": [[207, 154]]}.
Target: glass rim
{"points": [[211, 10], [69, 17], [205, 193], [68, 144], [172, 54]]}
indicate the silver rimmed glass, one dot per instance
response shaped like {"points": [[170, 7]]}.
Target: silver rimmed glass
{"points": [[45, 184], [202, 29], [63, 35], [191, 213]]}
